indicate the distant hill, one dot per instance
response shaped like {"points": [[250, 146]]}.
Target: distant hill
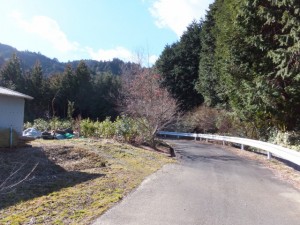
{"points": [[51, 66]]}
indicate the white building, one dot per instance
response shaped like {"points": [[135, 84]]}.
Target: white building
{"points": [[12, 109]]}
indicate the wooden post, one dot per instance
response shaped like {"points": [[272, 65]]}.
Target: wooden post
{"points": [[10, 137]]}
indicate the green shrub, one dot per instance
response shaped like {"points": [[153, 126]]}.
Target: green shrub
{"points": [[287, 139], [123, 128], [87, 128], [41, 124], [52, 124], [127, 129], [64, 124], [28, 125], [107, 128]]}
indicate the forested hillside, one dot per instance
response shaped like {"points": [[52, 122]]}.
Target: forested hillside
{"points": [[52, 66], [236, 71], [87, 88], [247, 55]]}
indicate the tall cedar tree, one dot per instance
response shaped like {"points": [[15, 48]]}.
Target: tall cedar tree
{"points": [[63, 86], [11, 75], [82, 89], [224, 32], [178, 66], [105, 94], [208, 81], [37, 88], [265, 70]]}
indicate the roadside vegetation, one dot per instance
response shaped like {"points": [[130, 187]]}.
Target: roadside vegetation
{"points": [[241, 59], [234, 72], [205, 119], [74, 181], [123, 128]]}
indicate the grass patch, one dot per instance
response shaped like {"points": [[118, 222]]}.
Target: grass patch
{"points": [[74, 181]]}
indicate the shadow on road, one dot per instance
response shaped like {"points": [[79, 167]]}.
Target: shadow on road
{"points": [[197, 157]]}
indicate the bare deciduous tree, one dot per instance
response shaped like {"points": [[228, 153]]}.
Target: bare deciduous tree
{"points": [[147, 102]]}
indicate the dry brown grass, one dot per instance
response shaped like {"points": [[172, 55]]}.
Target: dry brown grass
{"points": [[75, 180]]}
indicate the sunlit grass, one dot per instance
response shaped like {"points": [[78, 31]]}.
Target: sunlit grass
{"points": [[124, 168]]}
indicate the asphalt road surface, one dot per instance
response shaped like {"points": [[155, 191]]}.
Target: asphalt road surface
{"points": [[209, 186]]}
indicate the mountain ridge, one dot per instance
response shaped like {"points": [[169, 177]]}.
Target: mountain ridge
{"points": [[52, 66]]}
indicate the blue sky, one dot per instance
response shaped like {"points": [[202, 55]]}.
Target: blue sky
{"points": [[97, 29]]}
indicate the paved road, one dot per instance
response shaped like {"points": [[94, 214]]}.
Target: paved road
{"points": [[209, 186]]}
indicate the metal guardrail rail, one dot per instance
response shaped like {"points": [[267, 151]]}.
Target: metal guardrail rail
{"points": [[271, 149]]}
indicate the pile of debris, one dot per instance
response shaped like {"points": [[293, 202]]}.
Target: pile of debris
{"points": [[54, 134]]}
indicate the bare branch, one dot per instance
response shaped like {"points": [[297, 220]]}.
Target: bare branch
{"points": [[144, 99], [5, 186]]}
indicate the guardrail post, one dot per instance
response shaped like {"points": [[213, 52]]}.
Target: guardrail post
{"points": [[223, 142], [269, 155], [206, 139], [242, 147]]}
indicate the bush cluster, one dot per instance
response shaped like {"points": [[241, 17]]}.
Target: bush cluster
{"points": [[53, 124], [212, 120], [286, 139], [123, 128]]}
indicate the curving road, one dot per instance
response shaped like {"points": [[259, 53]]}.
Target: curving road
{"points": [[209, 186]]}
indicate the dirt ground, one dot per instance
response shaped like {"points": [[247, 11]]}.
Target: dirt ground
{"points": [[34, 171], [70, 181]]}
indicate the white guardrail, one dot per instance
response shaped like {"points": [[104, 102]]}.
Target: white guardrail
{"points": [[279, 151]]}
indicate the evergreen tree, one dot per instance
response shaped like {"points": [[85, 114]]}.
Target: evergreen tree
{"points": [[225, 35], [82, 91], [55, 81], [62, 90], [104, 103], [178, 66], [11, 75], [265, 63], [36, 86], [208, 81]]}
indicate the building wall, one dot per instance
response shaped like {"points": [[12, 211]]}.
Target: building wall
{"points": [[12, 113]]}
